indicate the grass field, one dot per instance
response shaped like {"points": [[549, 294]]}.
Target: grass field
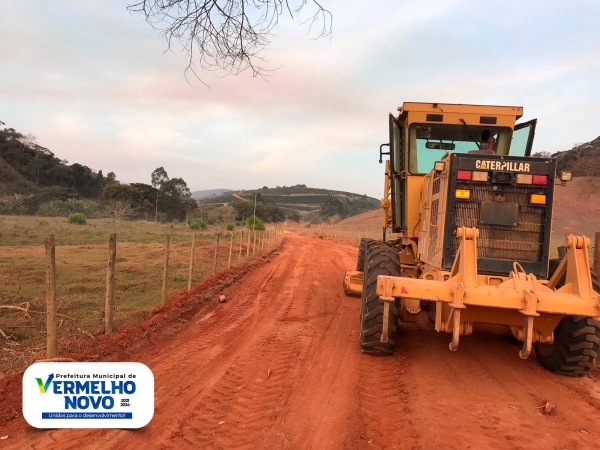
{"points": [[81, 260]]}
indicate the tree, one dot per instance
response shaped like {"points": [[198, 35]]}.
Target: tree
{"points": [[27, 141], [159, 177], [332, 206], [121, 192], [111, 178], [147, 208], [227, 35], [117, 208], [100, 181], [294, 215]]}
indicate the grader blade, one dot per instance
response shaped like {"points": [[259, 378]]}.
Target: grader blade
{"points": [[353, 283]]}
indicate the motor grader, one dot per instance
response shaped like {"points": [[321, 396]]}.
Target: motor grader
{"points": [[467, 222]]}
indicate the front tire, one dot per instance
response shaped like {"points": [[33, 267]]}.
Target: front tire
{"points": [[380, 259], [362, 252], [576, 342], [575, 348]]}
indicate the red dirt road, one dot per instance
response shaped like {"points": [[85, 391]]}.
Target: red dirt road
{"points": [[278, 366]]}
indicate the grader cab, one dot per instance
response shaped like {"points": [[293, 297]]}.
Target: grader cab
{"points": [[467, 221]]}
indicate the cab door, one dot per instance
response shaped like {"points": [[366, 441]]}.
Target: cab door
{"points": [[522, 138], [398, 175]]}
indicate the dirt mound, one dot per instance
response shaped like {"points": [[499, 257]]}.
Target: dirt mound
{"points": [[370, 219], [576, 210], [577, 207]]}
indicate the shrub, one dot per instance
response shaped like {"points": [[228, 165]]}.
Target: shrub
{"points": [[198, 224], [230, 227], [174, 222], [254, 223], [238, 223], [77, 219], [307, 225], [16, 204], [84, 206], [211, 221], [53, 208], [60, 208]]}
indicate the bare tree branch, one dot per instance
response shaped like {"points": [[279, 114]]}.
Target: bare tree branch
{"points": [[117, 208], [227, 35]]}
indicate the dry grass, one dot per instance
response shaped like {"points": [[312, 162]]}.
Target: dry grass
{"points": [[81, 259]]}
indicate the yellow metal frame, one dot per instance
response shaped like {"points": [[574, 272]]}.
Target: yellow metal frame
{"points": [[519, 291], [353, 283]]}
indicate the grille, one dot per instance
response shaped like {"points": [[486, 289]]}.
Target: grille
{"points": [[435, 204], [524, 242]]}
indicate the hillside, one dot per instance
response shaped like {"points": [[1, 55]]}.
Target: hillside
{"points": [[209, 192], [11, 180], [576, 210], [26, 167], [300, 200], [583, 159]]}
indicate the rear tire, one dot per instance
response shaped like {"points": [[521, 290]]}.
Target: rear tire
{"points": [[380, 259], [362, 251], [576, 342], [575, 348]]}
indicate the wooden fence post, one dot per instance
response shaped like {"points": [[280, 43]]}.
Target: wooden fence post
{"points": [[241, 245], [216, 253], [254, 243], [51, 340], [110, 284], [191, 273], [166, 270], [230, 250], [596, 263], [248, 246]]}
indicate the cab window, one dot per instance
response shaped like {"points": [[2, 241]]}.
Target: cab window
{"points": [[429, 142]]}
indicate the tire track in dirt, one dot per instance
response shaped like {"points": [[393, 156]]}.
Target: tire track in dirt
{"points": [[383, 416], [248, 400]]}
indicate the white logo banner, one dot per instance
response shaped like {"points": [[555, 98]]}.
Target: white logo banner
{"points": [[88, 395]]}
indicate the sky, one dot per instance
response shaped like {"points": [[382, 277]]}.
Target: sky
{"points": [[95, 84]]}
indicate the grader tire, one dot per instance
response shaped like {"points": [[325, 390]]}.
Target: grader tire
{"points": [[575, 348], [362, 250], [576, 344], [380, 259]]}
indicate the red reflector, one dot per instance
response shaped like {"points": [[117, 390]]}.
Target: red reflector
{"points": [[540, 180], [464, 175]]}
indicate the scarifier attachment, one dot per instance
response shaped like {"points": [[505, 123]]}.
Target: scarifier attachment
{"points": [[519, 291]]}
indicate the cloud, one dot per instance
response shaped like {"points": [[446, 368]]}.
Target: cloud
{"points": [[93, 83]]}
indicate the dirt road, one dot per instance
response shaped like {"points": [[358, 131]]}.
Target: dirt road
{"points": [[278, 366]]}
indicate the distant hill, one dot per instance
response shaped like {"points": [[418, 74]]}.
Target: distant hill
{"points": [[300, 200], [26, 167], [583, 159], [209, 192]]}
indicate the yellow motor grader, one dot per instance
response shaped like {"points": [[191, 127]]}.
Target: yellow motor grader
{"points": [[467, 221]]}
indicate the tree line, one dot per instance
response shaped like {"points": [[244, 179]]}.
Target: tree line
{"points": [[35, 167]]}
